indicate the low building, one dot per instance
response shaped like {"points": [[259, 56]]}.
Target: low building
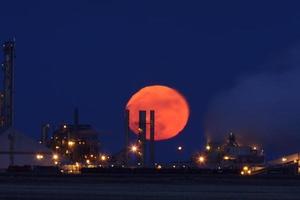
{"points": [[19, 149], [230, 155]]}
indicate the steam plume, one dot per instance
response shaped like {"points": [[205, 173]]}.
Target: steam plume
{"points": [[261, 109]]}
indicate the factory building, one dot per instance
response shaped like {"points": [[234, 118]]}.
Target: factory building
{"points": [[77, 143], [230, 155]]}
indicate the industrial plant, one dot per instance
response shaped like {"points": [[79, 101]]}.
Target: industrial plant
{"points": [[75, 148], [231, 155]]}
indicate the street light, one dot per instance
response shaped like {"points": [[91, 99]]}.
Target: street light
{"points": [[179, 148], [201, 159], [226, 157], [208, 147], [283, 159], [39, 156], [103, 158], [71, 143], [133, 148], [55, 156]]}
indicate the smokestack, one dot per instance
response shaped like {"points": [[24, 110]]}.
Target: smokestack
{"points": [[152, 131], [142, 135], [127, 130]]}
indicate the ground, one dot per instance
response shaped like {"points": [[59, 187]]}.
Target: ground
{"points": [[148, 186]]}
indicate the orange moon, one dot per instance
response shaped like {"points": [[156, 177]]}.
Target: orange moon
{"points": [[171, 111]]}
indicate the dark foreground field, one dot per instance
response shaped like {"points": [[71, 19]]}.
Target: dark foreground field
{"points": [[147, 186]]}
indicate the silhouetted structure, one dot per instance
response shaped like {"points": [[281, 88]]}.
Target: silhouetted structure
{"points": [[232, 141], [45, 134], [230, 155], [6, 95], [141, 145], [142, 136], [77, 142], [127, 131], [7, 108], [152, 138]]}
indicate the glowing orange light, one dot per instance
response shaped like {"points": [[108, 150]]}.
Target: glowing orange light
{"points": [[134, 148], [103, 158], [208, 147], [201, 159], [71, 143], [55, 157], [284, 159], [39, 156], [226, 158]]}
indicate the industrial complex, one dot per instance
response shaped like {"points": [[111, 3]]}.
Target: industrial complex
{"points": [[75, 148]]}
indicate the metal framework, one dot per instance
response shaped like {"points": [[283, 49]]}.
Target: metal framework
{"points": [[7, 110]]}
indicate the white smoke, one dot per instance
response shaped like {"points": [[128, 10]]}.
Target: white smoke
{"points": [[261, 109]]}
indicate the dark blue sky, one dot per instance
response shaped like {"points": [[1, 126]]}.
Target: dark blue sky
{"points": [[96, 54]]}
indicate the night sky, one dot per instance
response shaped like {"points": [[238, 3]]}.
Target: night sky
{"points": [[96, 54]]}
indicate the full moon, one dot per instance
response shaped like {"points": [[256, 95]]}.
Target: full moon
{"points": [[171, 111]]}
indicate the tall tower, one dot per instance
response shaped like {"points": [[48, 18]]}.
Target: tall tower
{"points": [[152, 138], [127, 131], [7, 111], [142, 136]]}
